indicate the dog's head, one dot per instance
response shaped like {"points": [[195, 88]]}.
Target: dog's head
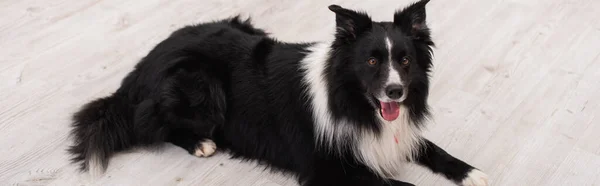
{"points": [[389, 61]]}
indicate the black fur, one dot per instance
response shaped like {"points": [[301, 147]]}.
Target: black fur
{"points": [[229, 82]]}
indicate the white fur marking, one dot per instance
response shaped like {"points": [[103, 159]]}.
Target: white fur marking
{"points": [[393, 75], [475, 178], [380, 152], [95, 166], [205, 148], [314, 66], [397, 143]]}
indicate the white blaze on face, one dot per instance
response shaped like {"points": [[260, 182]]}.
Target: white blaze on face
{"points": [[393, 75]]}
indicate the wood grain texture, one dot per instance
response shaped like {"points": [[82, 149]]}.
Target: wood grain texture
{"points": [[515, 92]]}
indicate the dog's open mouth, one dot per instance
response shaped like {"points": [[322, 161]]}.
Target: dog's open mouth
{"points": [[389, 110]]}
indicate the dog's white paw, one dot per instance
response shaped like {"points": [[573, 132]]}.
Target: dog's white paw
{"points": [[475, 178], [205, 148]]}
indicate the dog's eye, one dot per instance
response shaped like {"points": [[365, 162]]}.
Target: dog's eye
{"points": [[405, 61], [372, 61]]}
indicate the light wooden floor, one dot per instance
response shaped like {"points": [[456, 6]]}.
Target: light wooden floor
{"points": [[516, 85]]}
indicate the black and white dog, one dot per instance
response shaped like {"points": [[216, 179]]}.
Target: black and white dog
{"points": [[344, 112]]}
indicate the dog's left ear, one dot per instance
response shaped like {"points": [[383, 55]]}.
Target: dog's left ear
{"points": [[412, 19], [350, 24]]}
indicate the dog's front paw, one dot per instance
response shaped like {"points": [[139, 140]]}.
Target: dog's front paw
{"points": [[205, 148], [475, 178]]}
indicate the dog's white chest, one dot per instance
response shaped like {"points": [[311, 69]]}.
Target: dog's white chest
{"points": [[397, 142]]}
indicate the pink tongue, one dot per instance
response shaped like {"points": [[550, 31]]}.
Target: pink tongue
{"points": [[390, 110]]}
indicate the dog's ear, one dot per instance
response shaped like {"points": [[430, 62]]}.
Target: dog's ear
{"points": [[350, 24], [411, 19]]}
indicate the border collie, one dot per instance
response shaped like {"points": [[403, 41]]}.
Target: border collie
{"points": [[344, 112]]}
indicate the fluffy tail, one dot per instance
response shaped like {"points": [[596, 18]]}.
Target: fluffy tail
{"points": [[101, 128]]}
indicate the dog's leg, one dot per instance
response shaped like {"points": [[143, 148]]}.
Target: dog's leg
{"points": [[192, 106], [372, 180], [348, 180], [439, 161], [332, 173]]}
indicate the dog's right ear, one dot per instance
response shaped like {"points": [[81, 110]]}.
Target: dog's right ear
{"points": [[412, 19], [350, 24]]}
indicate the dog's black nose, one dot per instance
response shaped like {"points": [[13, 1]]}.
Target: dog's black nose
{"points": [[394, 91]]}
